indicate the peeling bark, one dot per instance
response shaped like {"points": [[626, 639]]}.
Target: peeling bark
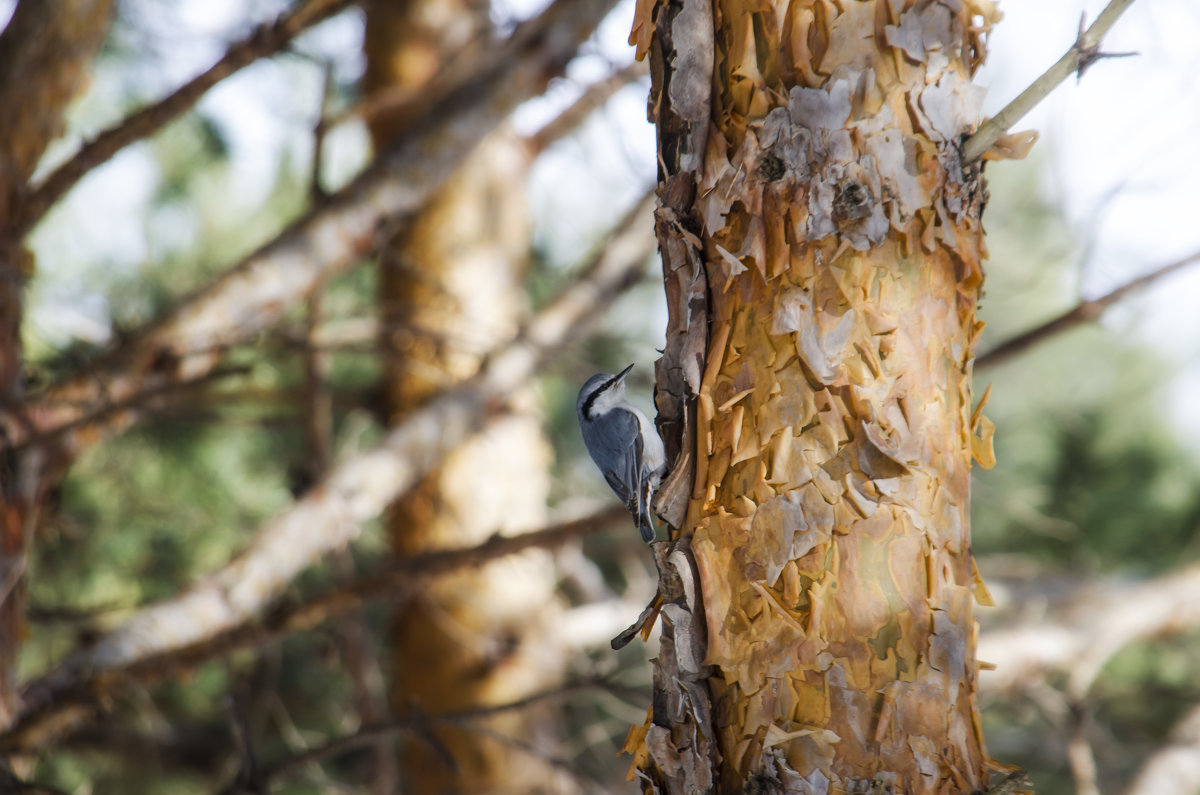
{"points": [[822, 251]]}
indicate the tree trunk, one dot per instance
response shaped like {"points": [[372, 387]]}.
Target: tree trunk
{"points": [[822, 250], [45, 54], [451, 287]]}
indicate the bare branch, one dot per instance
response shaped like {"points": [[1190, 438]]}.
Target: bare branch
{"points": [[1080, 756], [594, 96], [331, 514], [1085, 628], [190, 340], [266, 40], [72, 692], [1083, 312], [1083, 53], [414, 724], [46, 52]]}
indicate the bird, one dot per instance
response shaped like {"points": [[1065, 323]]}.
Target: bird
{"points": [[623, 443]]}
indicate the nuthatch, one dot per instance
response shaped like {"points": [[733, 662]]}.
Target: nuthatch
{"points": [[623, 443]]}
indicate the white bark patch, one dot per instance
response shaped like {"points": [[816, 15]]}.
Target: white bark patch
{"points": [[925, 754], [930, 28], [777, 135], [907, 36], [817, 109], [897, 170], [821, 339], [951, 106]]}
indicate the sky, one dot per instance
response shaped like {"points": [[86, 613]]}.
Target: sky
{"points": [[1120, 147]]}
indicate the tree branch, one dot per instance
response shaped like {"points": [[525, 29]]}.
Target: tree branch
{"points": [[1082, 54], [68, 695], [414, 723], [593, 97], [1080, 756], [266, 40], [1083, 312], [191, 339], [1081, 631], [331, 514]]}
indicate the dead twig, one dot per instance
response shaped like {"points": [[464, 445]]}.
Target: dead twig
{"points": [[1084, 52]]}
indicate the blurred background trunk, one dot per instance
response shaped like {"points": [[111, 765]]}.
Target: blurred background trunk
{"points": [[46, 55], [452, 287]]}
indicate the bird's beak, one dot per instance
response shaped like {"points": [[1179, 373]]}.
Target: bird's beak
{"points": [[621, 375]]}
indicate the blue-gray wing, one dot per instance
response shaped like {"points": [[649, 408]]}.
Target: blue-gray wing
{"points": [[617, 450]]}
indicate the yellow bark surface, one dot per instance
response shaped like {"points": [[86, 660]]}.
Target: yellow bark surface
{"points": [[841, 242]]}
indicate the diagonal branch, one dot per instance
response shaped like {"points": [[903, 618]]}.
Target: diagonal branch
{"points": [[69, 693], [1082, 313], [1085, 630], [415, 724], [266, 40], [331, 514], [191, 339], [1082, 54], [592, 98]]}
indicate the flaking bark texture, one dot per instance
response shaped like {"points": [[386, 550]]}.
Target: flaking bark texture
{"points": [[46, 53], [822, 250], [451, 286]]}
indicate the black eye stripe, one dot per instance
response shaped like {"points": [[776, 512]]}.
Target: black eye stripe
{"points": [[587, 404]]}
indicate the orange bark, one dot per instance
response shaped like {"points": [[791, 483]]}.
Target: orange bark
{"points": [[813, 183]]}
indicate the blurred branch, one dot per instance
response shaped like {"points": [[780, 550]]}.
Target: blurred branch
{"points": [[90, 678], [332, 513], [1084, 312], [190, 340], [1079, 632], [1084, 52], [320, 129], [9, 783], [1080, 756], [414, 724], [594, 96], [140, 403], [1173, 769], [266, 40]]}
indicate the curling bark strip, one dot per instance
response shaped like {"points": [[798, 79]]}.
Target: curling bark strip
{"points": [[822, 250]]}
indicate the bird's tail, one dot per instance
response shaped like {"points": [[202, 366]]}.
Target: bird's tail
{"points": [[645, 524], [644, 516]]}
